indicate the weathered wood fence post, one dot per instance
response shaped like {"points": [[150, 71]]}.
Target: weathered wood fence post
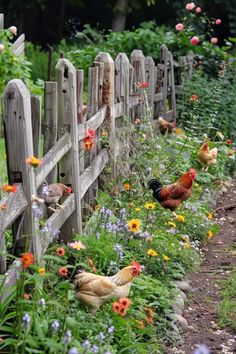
{"points": [[18, 129], [109, 101], [69, 171]]}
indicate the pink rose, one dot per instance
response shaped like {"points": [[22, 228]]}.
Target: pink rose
{"points": [[214, 40], [190, 6], [218, 21], [195, 40], [13, 30], [1, 47], [198, 10], [179, 27]]}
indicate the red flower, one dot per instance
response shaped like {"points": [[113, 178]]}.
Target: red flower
{"points": [[194, 40], [63, 272], [27, 259], [90, 133], [123, 312], [143, 85], [229, 142], [60, 251], [8, 188], [194, 98], [88, 143]]}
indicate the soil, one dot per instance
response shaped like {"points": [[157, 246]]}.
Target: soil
{"points": [[206, 283]]}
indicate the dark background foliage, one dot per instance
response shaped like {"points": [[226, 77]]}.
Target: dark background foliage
{"points": [[47, 22]]}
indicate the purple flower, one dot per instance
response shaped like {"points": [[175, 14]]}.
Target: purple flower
{"points": [[55, 326], [122, 213], [37, 211], [118, 248], [94, 349], [111, 329], [145, 234], [86, 344], [67, 337], [202, 349], [26, 320], [41, 302], [101, 337], [73, 351]]}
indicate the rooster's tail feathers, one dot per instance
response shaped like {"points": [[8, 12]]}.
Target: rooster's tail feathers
{"points": [[214, 152]]}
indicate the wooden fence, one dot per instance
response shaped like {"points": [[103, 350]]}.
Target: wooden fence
{"points": [[18, 46], [112, 94]]}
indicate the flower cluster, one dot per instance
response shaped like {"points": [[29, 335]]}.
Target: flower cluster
{"points": [[88, 142], [121, 306]]}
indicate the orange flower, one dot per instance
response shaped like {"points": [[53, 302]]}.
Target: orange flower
{"points": [[63, 272], [127, 186], [116, 306], [27, 259], [194, 98], [33, 161], [125, 302], [149, 320], [123, 312], [8, 188], [229, 142], [88, 143], [3, 206], [60, 251], [140, 324], [149, 311]]}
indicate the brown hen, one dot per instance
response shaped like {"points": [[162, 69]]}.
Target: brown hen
{"points": [[52, 193]]}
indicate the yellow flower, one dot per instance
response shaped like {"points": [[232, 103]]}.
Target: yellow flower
{"points": [[179, 131], [152, 252], [134, 225], [166, 258], [210, 216], [97, 207], [209, 234], [180, 218], [172, 224], [41, 271], [127, 186], [149, 206], [187, 245], [137, 209]]}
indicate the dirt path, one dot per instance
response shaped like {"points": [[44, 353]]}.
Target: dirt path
{"points": [[201, 311]]}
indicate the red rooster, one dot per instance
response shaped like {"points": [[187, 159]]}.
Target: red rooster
{"points": [[172, 195]]}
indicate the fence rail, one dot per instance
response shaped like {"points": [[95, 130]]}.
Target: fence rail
{"points": [[113, 93]]}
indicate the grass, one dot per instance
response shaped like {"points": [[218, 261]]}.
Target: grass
{"points": [[3, 165], [227, 306]]}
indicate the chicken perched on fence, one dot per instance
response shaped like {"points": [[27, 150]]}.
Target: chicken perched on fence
{"points": [[165, 126], [206, 156], [172, 195], [52, 193], [95, 290]]}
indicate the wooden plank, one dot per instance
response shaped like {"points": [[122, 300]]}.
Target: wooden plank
{"points": [[67, 119], [93, 171], [13, 273], [36, 105], [119, 110], [171, 84], [164, 61], [170, 115], [190, 58], [18, 128], [109, 100], [1, 21], [53, 156], [94, 122], [79, 91], [150, 79], [133, 101], [158, 97], [50, 125], [18, 47], [15, 204], [138, 62], [131, 79]]}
